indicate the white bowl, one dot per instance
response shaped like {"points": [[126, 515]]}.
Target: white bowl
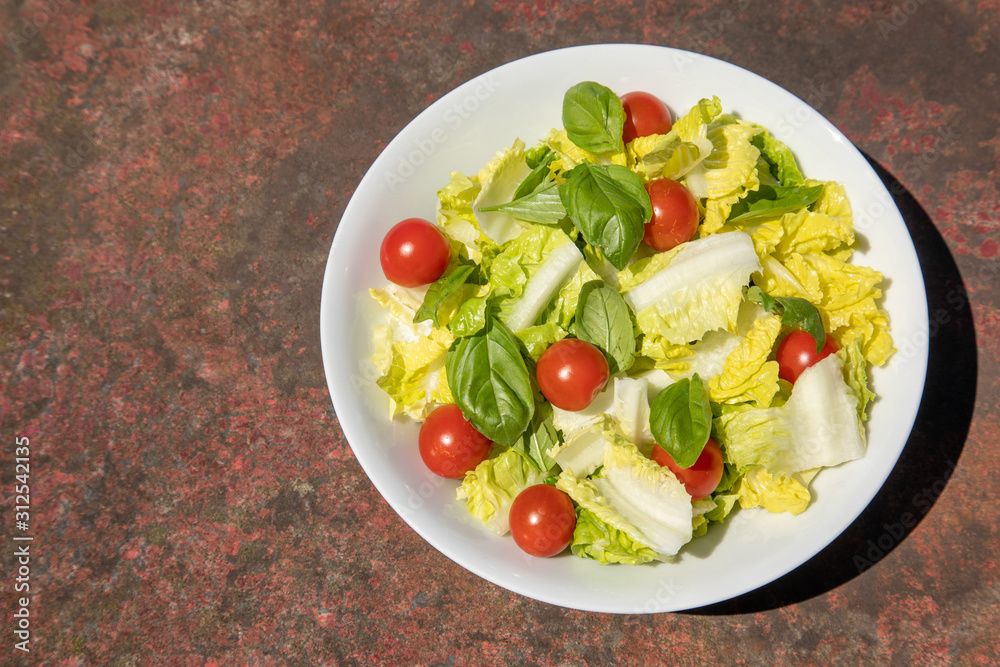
{"points": [[461, 132]]}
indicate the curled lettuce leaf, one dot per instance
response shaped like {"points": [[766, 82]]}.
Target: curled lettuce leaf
{"points": [[498, 181], [491, 488], [778, 157], [773, 492], [638, 497], [817, 427], [597, 540], [700, 289], [409, 357], [747, 374]]}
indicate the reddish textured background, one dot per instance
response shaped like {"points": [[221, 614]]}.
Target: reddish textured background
{"points": [[171, 177]]}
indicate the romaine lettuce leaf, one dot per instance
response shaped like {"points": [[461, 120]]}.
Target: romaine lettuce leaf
{"points": [[780, 159], [491, 488], [747, 374], [775, 493], [597, 540], [700, 289], [638, 497], [498, 181], [408, 356], [817, 427]]}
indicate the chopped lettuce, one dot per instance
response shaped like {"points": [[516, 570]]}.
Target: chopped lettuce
{"points": [[817, 427], [698, 291], [638, 497], [491, 488], [773, 492], [747, 373], [597, 540], [498, 181], [409, 357]]}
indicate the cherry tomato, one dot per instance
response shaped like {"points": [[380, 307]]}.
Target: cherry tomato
{"points": [[414, 252], [542, 520], [797, 352], [449, 445], [645, 114], [675, 215], [700, 479], [571, 373]]}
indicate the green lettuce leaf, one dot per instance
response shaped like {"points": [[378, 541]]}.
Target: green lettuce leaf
{"points": [[747, 374], [773, 492], [638, 497], [817, 427], [409, 356], [780, 159], [491, 488], [700, 289], [597, 540], [498, 181]]}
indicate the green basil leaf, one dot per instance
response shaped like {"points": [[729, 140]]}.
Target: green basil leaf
{"points": [[604, 320], [610, 206], [794, 311], [543, 206], [490, 382], [680, 418], [593, 117], [440, 290], [773, 200], [539, 174], [539, 438]]}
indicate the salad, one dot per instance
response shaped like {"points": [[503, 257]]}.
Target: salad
{"points": [[619, 335]]}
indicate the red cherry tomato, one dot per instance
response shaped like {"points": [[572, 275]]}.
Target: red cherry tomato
{"points": [[542, 520], [414, 252], [645, 114], [449, 445], [675, 215], [700, 479], [797, 352], [571, 373]]}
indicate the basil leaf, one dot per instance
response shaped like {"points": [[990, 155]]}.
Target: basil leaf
{"points": [[490, 382], [543, 206], [795, 312], [440, 290], [773, 200], [593, 117], [540, 437], [604, 320], [610, 206], [539, 174], [681, 420]]}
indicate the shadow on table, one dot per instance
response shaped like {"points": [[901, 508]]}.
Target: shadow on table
{"points": [[933, 448]]}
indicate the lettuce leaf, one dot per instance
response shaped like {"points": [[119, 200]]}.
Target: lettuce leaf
{"points": [[817, 427], [638, 497], [408, 356], [747, 374], [498, 181], [780, 159], [597, 540], [698, 291], [773, 492], [491, 488]]}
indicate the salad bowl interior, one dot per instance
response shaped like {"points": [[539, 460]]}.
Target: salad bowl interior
{"points": [[461, 132]]}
